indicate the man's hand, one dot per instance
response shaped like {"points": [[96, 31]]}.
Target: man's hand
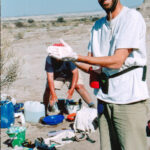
{"points": [[53, 99], [73, 83], [64, 53], [70, 93]]}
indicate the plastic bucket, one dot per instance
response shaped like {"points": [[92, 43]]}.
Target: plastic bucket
{"points": [[17, 134]]}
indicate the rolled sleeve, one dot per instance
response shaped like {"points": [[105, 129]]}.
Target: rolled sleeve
{"points": [[48, 65], [72, 66]]}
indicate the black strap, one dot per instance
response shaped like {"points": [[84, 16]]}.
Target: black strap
{"points": [[144, 73], [104, 79], [89, 139], [129, 69]]}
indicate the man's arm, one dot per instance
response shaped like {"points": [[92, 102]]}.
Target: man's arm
{"points": [[90, 54], [73, 84], [83, 66], [114, 62], [50, 78]]}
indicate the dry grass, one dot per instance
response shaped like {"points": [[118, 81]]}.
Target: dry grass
{"points": [[9, 65], [19, 35]]}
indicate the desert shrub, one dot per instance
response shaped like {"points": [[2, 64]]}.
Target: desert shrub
{"points": [[19, 36], [60, 19], [9, 67], [4, 45], [138, 8], [4, 26], [94, 19], [43, 25], [19, 24], [83, 19], [53, 23], [48, 28], [30, 21], [76, 24], [32, 25]]}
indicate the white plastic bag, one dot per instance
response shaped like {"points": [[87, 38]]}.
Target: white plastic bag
{"points": [[65, 52], [72, 106]]}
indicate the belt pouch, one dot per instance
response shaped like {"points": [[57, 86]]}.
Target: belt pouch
{"points": [[104, 82]]}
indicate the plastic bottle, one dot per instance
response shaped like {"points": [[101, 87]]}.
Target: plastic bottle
{"points": [[33, 111]]}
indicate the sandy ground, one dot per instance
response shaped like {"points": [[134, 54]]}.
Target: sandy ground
{"points": [[31, 50]]}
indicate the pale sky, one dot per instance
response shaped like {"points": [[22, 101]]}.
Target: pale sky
{"points": [[15, 8]]}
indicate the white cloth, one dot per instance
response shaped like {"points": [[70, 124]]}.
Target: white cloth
{"points": [[64, 53], [127, 30], [84, 119], [58, 138]]}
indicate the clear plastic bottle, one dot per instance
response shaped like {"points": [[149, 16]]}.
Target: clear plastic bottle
{"points": [[33, 111]]}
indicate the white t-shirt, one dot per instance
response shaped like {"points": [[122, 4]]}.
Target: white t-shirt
{"points": [[126, 30]]}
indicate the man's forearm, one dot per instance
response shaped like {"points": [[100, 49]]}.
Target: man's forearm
{"points": [[83, 66], [50, 78], [74, 81], [106, 61], [51, 87], [102, 61], [113, 62]]}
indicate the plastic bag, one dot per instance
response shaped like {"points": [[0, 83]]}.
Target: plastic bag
{"points": [[72, 106]]}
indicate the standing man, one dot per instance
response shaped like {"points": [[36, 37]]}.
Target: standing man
{"points": [[60, 73], [118, 46]]}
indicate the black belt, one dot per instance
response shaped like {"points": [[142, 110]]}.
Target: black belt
{"points": [[129, 69], [104, 79]]}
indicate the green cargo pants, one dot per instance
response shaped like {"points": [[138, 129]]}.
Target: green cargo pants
{"points": [[123, 127]]}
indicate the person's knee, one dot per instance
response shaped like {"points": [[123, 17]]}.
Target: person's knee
{"points": [[79, 86]]}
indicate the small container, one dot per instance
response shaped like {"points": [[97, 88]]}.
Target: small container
{"points": [[95, 77], [33, 111], [7, 113], [17, 134], [53, 119]]}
